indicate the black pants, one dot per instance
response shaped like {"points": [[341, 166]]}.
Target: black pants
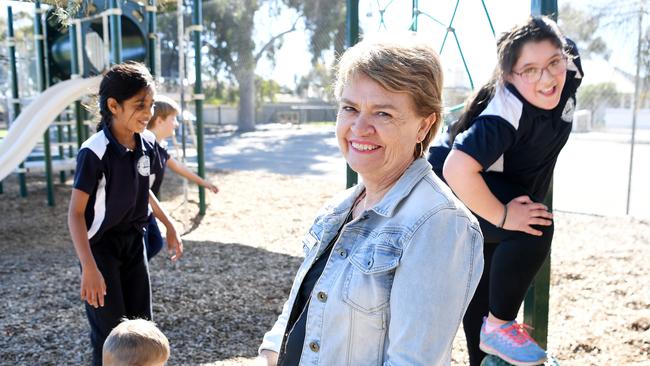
{"points": [[121, 259], [512, 259]]}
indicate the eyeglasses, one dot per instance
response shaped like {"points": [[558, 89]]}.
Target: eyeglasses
{"points": [[534, 74]]}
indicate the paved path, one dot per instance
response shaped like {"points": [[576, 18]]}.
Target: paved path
{"points": [[591, 174]]}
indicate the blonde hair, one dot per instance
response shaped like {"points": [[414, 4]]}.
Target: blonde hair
{"points": [[136, 342], [163, 106], [400, 65]]}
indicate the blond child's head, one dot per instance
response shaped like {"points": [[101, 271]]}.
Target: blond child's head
{"points": [[163, 121], [136, 342]]}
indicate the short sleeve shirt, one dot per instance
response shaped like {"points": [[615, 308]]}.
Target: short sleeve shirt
{"points": [[515, 138], [160, 162], [117, 182]]}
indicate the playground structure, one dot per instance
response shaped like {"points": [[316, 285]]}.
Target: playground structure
{"points": [[68, 62]]}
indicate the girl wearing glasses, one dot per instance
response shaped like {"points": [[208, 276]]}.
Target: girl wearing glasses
{"points": [[498, 158]]}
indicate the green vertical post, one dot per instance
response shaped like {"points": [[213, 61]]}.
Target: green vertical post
{"points": [[60, 139], [40, 71], [151, 39], [197, 19], [116, 35], [59, 129], [74, 71], [415, 11], [536, 304], [14, 87], [351, 38], [544, 7]]}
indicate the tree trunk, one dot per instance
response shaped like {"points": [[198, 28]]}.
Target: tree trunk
{"points": [[246, 116]]}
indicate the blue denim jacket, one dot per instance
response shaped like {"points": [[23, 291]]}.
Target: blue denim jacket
{"points": [[398, 280]]}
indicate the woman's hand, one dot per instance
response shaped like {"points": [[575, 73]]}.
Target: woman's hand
{"points": [[93, 287], [522, 212], [267, 358], [174, 244]]}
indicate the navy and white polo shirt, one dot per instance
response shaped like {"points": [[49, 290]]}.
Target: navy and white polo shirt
{"points": [[515, 138], [159, 164], [117, 180]]}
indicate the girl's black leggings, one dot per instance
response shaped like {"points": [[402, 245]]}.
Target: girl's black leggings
{"points": [[512, 259]]}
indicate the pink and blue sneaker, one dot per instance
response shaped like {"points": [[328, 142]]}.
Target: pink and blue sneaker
{"points": [[512, 343]]}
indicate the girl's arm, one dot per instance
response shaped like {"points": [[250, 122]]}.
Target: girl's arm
{"points": [[463, 174], [174, 242], [93, 287], [183, 171]]}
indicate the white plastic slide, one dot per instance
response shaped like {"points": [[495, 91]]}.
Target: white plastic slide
{"points": [[27, 130]]}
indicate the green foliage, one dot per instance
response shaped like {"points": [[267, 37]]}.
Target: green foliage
{"points": [[221, 93], [593, 95], [321, 78], [582, 27], [266, 90], [597, 97]]}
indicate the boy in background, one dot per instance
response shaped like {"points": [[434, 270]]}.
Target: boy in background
{"points": [[163, 123]]}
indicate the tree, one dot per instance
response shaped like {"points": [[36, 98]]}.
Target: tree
{"points": [[582, 28], [320, 79], [230, 27], [596, 98]]}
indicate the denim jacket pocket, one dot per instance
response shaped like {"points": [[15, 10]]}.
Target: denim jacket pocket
{"points": [[368, 284]]}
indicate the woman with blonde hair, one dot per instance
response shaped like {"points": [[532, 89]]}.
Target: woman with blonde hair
{"points": [[390, 264]]}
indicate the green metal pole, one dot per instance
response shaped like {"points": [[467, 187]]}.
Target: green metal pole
{"points": [[74, 71], [197, 19], [151, 29], [59, 129], [450, 28], [116, 35], [351, 38], [487, 14], [60, 139], [14, 87], [536, 304], [414, 14], [544, 7], [42, 85]]}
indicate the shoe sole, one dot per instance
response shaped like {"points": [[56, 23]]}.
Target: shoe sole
{"points": [[489, 350]]}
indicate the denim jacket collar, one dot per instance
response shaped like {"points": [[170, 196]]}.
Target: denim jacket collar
{"points": [[386, 207]]}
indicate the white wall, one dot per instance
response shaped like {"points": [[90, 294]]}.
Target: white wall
{"points": [[622, 118]]}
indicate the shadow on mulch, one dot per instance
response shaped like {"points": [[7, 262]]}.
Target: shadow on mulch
{"points": [[214, 304]]}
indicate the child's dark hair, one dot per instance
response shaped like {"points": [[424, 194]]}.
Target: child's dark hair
{"points": [[121, 82], [509, 46]]}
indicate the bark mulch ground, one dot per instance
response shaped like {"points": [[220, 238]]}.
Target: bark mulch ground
{"points": [[217, 302]]}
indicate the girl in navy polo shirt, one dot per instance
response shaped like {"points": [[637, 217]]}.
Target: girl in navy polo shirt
{"points": [[110, 202], [498, 158]]}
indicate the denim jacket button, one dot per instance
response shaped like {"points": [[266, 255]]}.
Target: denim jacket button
{"points": [[314, 346], [343, 253], [322, 297]]}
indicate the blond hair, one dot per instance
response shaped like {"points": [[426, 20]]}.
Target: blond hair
{"points": [[136, 342], [400, 65], [163, 106]]}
